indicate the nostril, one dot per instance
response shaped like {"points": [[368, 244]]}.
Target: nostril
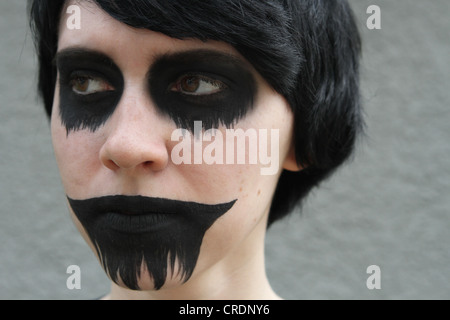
{"points": [[127, 152], [110, 164], [153, 165]]}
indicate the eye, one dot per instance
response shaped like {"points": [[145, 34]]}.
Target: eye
{"points": [[86, 85], [197, 85]]}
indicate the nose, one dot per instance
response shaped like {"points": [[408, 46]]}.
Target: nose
{"points": [[135, 138]]}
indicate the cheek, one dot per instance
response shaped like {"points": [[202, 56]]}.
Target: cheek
{"points": [[210, 180], [77, 156], [253, 190], [243, 182], [242, 229]]}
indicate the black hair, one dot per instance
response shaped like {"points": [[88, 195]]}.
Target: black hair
{"points": [[307, 50]]}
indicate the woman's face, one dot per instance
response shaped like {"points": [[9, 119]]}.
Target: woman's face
{"points": [[122, 97]]}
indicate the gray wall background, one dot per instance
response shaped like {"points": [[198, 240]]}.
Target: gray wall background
{"points": [[389, 207]]}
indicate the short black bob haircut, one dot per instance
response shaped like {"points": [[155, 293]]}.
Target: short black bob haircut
{"points": [[307, 50]]}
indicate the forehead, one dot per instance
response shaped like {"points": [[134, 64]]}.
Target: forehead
{"points": [[101, 32]]}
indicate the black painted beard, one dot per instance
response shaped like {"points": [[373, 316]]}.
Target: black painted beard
{"points": [[129, 232]]}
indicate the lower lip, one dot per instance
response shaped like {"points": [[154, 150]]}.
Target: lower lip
{"points": [[135, 224]]}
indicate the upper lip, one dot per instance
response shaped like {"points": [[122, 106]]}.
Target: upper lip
{"points": [[136, 205], [141, 205]]}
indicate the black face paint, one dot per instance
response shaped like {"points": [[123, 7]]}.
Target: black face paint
{"points": [[223, 88], [231, 77], [93, 70], [129, 231]]}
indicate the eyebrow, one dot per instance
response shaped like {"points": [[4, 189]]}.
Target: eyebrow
{"points": [[78, 53], [99, 57], [202, 54]]}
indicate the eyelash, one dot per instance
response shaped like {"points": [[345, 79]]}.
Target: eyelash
{"points": [[215, 85], [104, 86], [208, 83], [89, 76]]}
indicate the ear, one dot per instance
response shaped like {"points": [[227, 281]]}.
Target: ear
{"points": [[290, 163]]}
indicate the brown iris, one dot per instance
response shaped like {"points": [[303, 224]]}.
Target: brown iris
{"points": [[190, 84], [80, 84]]}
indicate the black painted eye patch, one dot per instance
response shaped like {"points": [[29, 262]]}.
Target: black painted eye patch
{"points": [[224, 107], [199, 85], [79, 112]]}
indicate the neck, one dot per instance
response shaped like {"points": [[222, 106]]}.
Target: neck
{"points": [[240, 275]]}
